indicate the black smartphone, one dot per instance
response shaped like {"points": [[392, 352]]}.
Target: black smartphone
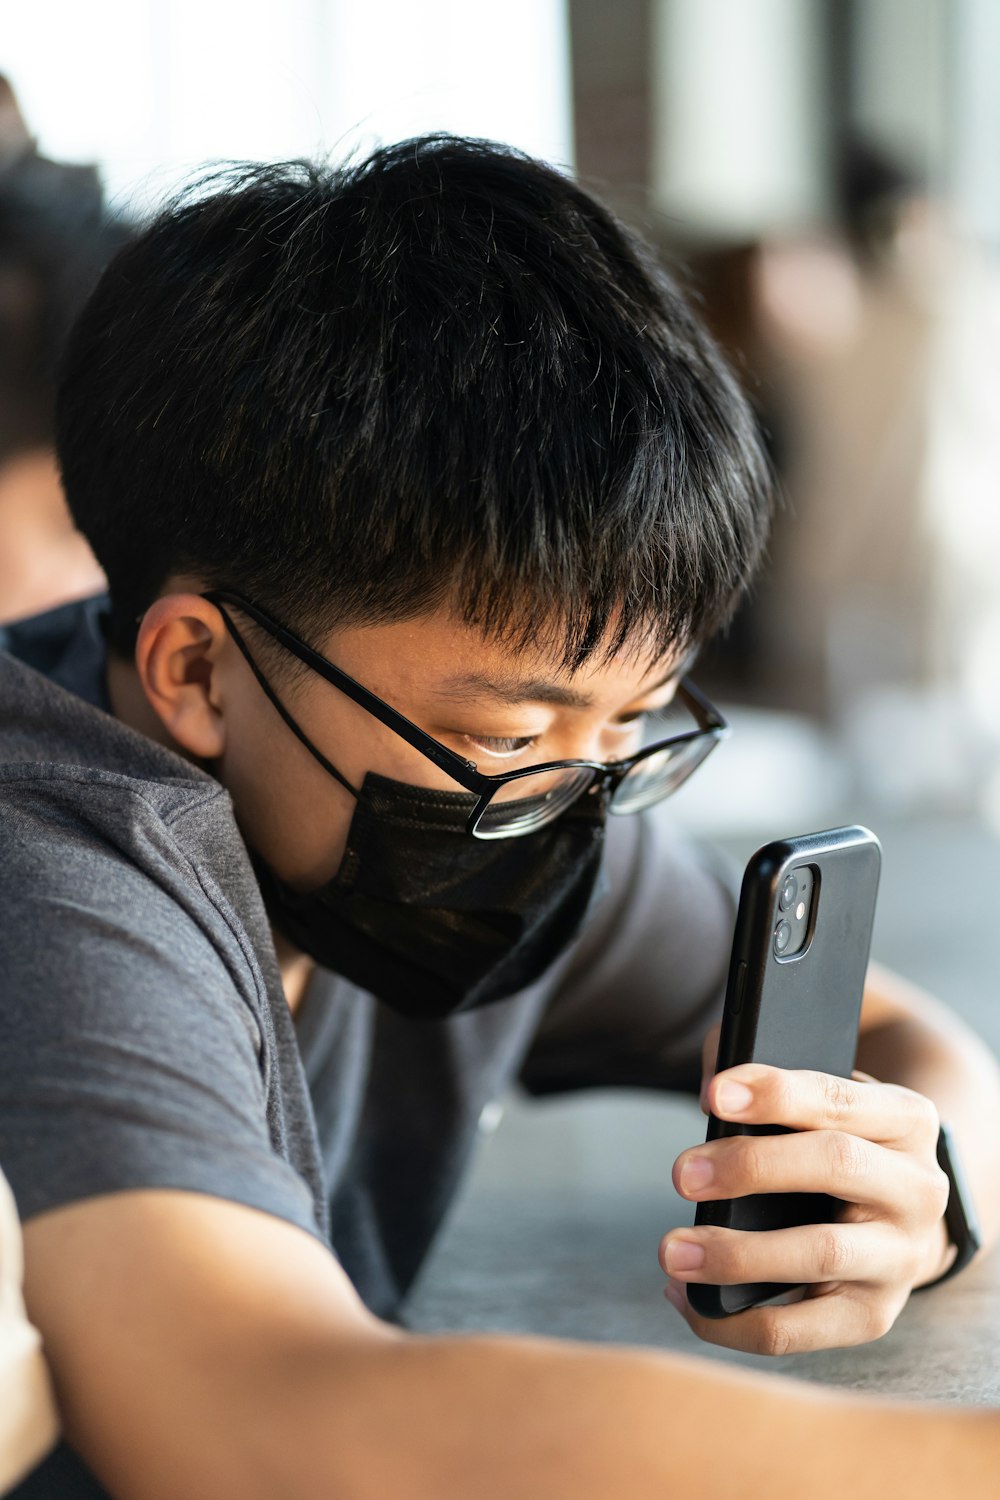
{"points": [[793, 999]]}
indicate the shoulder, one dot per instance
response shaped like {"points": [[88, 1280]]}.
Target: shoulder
{"points": [[77, 833], [90, 808], [137, 1006]]}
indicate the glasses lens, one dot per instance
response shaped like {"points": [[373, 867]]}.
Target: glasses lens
{"points": [[661, 773], [532, 801]]}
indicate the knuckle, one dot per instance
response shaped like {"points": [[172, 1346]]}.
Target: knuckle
{"points": [[840, 1097], [732, 1258], [929, 1119], [878, 1318], [750, 1162], [929, 1113], [939, 1191], [777, 1338], [835, 1253], [848, 1154], [921, 1113], [775, 1090]]}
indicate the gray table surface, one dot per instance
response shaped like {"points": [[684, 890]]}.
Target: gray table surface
{"points": [[557, 1230]]}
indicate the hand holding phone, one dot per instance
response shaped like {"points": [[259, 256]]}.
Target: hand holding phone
{"points": [[796, 978]]}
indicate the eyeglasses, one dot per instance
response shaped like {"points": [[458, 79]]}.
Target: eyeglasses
{"points": [[515, 802]]}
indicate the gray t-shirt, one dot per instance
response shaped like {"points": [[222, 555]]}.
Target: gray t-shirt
{"points": [[146, 1038]]}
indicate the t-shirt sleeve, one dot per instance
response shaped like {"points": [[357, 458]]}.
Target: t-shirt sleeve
{"points": [[648, 977], [129, 1057]]}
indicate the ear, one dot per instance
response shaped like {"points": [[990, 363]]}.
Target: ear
{"points": [[178, 655]]}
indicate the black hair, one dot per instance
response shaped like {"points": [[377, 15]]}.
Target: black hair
{"points": [[871, 186], [444, 373]]}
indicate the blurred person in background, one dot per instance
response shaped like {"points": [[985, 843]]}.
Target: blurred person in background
{"points": [[879, 347], [54, 238]]}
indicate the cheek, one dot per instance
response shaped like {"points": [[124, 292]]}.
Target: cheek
{"points": [[289, 810], [304, 841]]}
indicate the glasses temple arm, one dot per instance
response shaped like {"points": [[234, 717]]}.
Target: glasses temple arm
{"points": [[266, 686]]}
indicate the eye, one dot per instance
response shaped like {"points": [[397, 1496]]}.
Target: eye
{"points": [[666, 712], [511, 745], [654, 712]]}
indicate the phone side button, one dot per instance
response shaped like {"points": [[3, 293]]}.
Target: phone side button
{"points": [[741, 984]]}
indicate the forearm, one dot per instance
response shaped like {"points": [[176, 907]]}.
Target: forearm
{"points": [[931, 1050], [204, 1349], [420, 1419]]}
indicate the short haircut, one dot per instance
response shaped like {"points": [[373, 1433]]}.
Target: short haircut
{"points": [[444, 374]]}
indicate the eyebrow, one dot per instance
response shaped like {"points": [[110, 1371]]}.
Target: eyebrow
{"points": [[470, 686]]}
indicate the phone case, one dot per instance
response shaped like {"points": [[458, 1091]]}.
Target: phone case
{"points": [[793, 1012]]}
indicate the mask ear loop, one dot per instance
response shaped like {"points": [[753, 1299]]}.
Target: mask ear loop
{"points": [[299, 735]]}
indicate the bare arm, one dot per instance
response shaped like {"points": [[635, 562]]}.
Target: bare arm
{"points": [[204, 1349], [909, 1038]]}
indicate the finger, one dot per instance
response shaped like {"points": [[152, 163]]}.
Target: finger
{"points": [[870, 1252], [710, 1048], [835, 1319], [809, 1161], [754, 1093], [709, 1056]]}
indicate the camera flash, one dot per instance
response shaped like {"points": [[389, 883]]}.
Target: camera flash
{"points": [[800, 911]]}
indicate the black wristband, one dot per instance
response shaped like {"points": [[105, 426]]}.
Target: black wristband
{"points": [[960, 1214]]}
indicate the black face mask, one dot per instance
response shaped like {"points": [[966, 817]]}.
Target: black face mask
{"points": [[433, 921]]}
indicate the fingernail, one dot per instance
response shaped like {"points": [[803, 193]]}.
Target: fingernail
{"points": [[674, 1295], [696, 1173], [733, 1098], [684, 1255]]}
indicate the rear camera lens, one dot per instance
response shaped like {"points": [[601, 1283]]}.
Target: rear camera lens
{"points": [[789, 891], [782, 936]]}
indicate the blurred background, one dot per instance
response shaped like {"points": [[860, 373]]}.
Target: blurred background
{"points": [[824, 175]]}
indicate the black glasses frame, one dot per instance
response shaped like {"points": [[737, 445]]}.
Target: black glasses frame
{"points": [[608, 775]]}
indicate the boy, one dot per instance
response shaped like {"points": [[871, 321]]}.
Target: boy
{"points": [[417, 487]]}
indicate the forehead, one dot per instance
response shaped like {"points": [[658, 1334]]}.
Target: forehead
{"points": [[440, 654]]}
